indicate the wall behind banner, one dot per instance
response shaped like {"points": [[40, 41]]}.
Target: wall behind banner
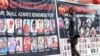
{"points": [[28, 28], [88, 26]]}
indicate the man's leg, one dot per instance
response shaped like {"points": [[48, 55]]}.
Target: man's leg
{"points": [[72, 49], [76, 52]]}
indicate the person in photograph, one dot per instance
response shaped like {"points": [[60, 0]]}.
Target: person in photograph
{"points": [[34, 44], [2, 26], [18, 26], [41, 43], [10, 24], [4, 4], [19, 47], [93, 32], [46, 25], [83, 23], [79, 23], [26, 27], [33, 26], [87, 32], [82, 32], [66, 23], [11, 45], [3, 46], [40, 26], [88, 23], [27, 45], [47, 42], [98, 31], [54, 43], [52, 25]]}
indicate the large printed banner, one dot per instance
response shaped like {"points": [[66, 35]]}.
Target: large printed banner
{"points": [[28, 28], [88, 19], [88, 27]]}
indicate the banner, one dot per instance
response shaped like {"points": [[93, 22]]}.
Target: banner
{"points": [[89, 1], [28, 28], [88, 27]]}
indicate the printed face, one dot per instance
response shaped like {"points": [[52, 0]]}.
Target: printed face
{"points": [[2, 23], [33, 25], [11, 44], [34, 44], [52, 25], [18, 23], [40, 25], [11, 41], [88, 22], [1, 43], [10, 25], [46, 25], [79, 22], [54, 43], [26, 40], [19, 44], [41, 42], [47, 41]]}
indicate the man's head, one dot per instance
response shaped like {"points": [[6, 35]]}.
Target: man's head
{"points": [[71, 10], [77, 36]]}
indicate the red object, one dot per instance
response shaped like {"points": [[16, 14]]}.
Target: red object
{"points": [[86, 1], [4, 4], [90, 1], [61, 10], [96, 1], [26, 28], [27, 45]]}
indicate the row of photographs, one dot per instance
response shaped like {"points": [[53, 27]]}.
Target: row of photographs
{"points": [[88, 27], [26, 26], [89, 52], [27, 44], [85, 46], [89, 40]]}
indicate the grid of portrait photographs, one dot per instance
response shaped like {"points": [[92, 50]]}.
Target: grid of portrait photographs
{"points": [[89, 26], [65, 47], [88, 46], [27, 35]]}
